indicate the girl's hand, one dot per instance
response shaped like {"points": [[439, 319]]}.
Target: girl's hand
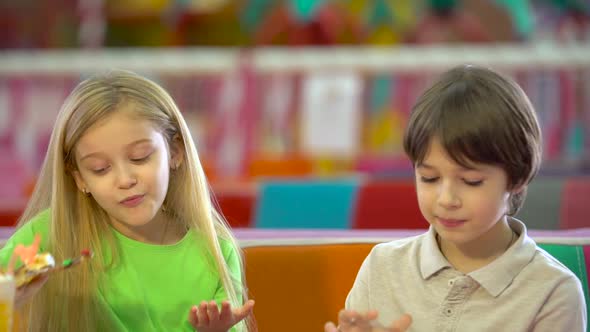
{"points": [[25, 292], [352, 321], [208, 318]]}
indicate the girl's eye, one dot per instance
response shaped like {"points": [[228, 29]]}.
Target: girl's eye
{"points": [[428, 180], [139, 160], [100, 171], [473, 183]]}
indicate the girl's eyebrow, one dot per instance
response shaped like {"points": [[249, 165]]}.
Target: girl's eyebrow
{"points": [[139, 141], [127, 146], [90, 155]]}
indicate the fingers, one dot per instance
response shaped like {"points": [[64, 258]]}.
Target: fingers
{"points": [[243, 311], [402, 324], [212, 311], [349, 319], [192, 316], [208, 314], [371, 314], [330, 327], [226, 312], [202, 315]]}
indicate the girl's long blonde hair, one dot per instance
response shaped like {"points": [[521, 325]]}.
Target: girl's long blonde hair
{"points": [[67, 302]]}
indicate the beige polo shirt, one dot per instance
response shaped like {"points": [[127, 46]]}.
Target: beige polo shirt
{"points": [[525, 289]]}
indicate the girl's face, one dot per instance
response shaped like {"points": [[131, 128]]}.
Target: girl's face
{"points": [[124, 162], [464, 205]]}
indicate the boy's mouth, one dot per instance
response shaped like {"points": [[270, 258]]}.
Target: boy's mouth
{"points": [[448, 222]]}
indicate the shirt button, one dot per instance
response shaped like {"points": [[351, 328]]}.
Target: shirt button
{"points": [[451, 282], [448, 312]]}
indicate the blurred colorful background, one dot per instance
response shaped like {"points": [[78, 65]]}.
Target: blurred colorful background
{"points": [[298, 106]]}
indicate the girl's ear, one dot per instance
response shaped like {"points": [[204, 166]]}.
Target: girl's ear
{"points": [[80, 183], [176, 152]]}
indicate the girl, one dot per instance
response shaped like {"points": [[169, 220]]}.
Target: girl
{"points": [[122, 177], [475, 144]]}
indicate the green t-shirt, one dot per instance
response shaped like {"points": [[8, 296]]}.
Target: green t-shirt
{"points": [[154, 286]]}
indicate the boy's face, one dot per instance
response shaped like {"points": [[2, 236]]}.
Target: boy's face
{"points": [[462, 204], [124, 163]]}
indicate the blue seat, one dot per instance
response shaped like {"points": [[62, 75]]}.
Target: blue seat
{"points": [[306, 203]]}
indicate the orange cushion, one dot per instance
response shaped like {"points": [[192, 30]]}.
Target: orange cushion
{"points": [[286, 281], [278, 167]]}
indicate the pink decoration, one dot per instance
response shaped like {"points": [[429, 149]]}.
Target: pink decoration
{"points": [[27, 254]]}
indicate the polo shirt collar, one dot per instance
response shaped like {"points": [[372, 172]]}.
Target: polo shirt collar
{"points": [[494, 277], [499, 274]]}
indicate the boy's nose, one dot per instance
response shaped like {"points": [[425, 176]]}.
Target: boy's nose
{"points": [[448, 197]]}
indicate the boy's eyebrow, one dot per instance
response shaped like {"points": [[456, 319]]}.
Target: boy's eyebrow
{"points": [[424, 165], [139, 141], [462, 168]]}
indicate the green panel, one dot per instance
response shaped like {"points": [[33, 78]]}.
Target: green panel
{"points": [[571, 256]]}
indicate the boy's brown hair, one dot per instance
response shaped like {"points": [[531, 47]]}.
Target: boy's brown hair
{"points": [[479, 116]]}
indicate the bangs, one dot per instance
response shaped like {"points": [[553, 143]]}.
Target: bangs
{"points": [[466, 128]]}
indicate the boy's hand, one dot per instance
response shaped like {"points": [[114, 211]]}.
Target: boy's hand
{"points": [[207, 317], [352, 321]]}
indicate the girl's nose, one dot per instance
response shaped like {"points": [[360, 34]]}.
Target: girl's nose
{"points": [[126, 178]]}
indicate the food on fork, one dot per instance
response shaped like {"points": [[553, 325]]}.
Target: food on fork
{"points": [[36, 264]]}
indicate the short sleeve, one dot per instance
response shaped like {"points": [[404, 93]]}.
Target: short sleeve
{"points": [[357, 298], [232, 259], [565, 309]]}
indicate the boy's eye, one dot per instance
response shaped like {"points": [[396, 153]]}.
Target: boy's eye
{"points": [[473, 183], [428, 179]]}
